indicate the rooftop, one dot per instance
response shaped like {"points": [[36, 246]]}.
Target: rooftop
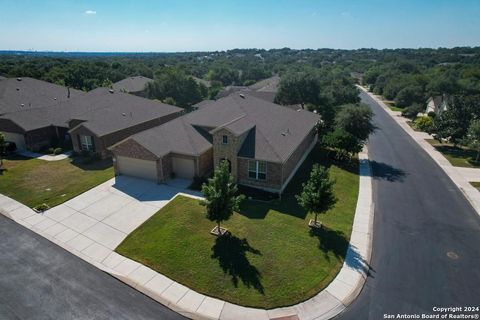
{"points": [[132, 84], [17, 94]]}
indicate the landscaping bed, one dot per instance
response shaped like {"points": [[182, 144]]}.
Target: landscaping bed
{"points": [[36, 182], [457, 156], [270, 258]]}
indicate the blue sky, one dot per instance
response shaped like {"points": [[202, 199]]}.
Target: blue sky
{"points": [[197, 25]]}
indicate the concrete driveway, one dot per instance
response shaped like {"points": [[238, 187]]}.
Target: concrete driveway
{"points": [[97, 221]]}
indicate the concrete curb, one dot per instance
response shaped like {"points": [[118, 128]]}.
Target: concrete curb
{"points": [[326, 304], [458, 175]]}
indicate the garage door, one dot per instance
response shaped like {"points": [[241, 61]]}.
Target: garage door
{"points": [[18, 138], [143, 169], [183, 168]]}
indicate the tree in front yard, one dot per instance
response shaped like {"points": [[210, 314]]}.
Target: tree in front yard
{"points": [[472, 140], [317, 195], [221, 198]]}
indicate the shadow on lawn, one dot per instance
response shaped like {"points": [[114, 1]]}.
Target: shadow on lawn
{"points": [[335, 242], [93, 165], [230, 252], [387, 172], [457, 152]]}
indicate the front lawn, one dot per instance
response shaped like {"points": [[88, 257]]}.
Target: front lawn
{"points": [[457, 156], [33, 181], [476, 184], [271, 258]]}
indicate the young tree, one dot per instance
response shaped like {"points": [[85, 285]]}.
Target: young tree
{"points": [[221, 198], [317, 195], [472, 140]]}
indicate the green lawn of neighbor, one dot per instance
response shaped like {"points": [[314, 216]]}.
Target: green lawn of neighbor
{"points": [[33, 181], [476, 184], [271, 258], [457, 156]]}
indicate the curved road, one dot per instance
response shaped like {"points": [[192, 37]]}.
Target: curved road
{"points": [[40, 280], [426, 240], [426, 251]]}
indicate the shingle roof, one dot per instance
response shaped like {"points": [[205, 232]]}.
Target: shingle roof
{"points": [[18, 94], [267, 85], [103, 112], [132, 84], [274, 132]]}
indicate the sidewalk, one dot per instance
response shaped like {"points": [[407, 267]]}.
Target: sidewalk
{"points": [[85, 228], [460, 176], [46, 157]]}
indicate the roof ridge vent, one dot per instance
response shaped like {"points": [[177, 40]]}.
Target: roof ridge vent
{"points": [[111, 90], [242, 95], [19, 79]]}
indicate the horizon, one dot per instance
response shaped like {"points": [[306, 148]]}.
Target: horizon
{"points": [[170, 26]]}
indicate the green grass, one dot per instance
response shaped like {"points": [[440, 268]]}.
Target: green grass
{"points": [[33, 181], [393, 108], [476, 184], [457, 156], [271, 258]]}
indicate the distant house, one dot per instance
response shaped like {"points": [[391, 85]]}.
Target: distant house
{"points": [[24, 99], [94, 121], [264, 143], [136, 85], [437, 104], [264, 89]]}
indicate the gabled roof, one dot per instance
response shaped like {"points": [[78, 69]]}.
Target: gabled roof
{"points": [[273, 132], [17, 94], [103, 111], [132, 84]]}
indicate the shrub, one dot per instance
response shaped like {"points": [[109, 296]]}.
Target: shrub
{"points": [[432, 114], [57, 151], [51, 150], [424, 123], [412, 111]]}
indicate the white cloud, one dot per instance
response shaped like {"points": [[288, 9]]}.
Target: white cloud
{"points": [[90, 12]]}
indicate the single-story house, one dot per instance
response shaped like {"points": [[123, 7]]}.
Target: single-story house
{"points": [[136, 85], [437, 104], [112, 116], [263, 142], [18, 94], [22, 96], [93, 121]]}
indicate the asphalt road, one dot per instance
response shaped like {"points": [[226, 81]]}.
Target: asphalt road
{"points": [[426, 242], [40, 280]]}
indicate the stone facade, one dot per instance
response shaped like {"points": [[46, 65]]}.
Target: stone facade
{"points": [[205, 163], [229, 150]]}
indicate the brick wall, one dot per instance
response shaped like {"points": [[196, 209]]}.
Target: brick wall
{"points": [[272, 182], [98, 144], [295, 157], [205, 163], [39, 138]]}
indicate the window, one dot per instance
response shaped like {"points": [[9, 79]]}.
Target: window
{"points": [[257, 170], [224, 139], [86, 143]]}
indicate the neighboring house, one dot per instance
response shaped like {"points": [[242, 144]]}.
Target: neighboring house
{"points": [[112, 116], [22, 96], [136, 85], [17, 94], [94, 121], [437, 104], [264, 144], [264, 89]]}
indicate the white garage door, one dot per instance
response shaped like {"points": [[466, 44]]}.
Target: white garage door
{"points": [[183, 168], [18, 138], [137, 168]]}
